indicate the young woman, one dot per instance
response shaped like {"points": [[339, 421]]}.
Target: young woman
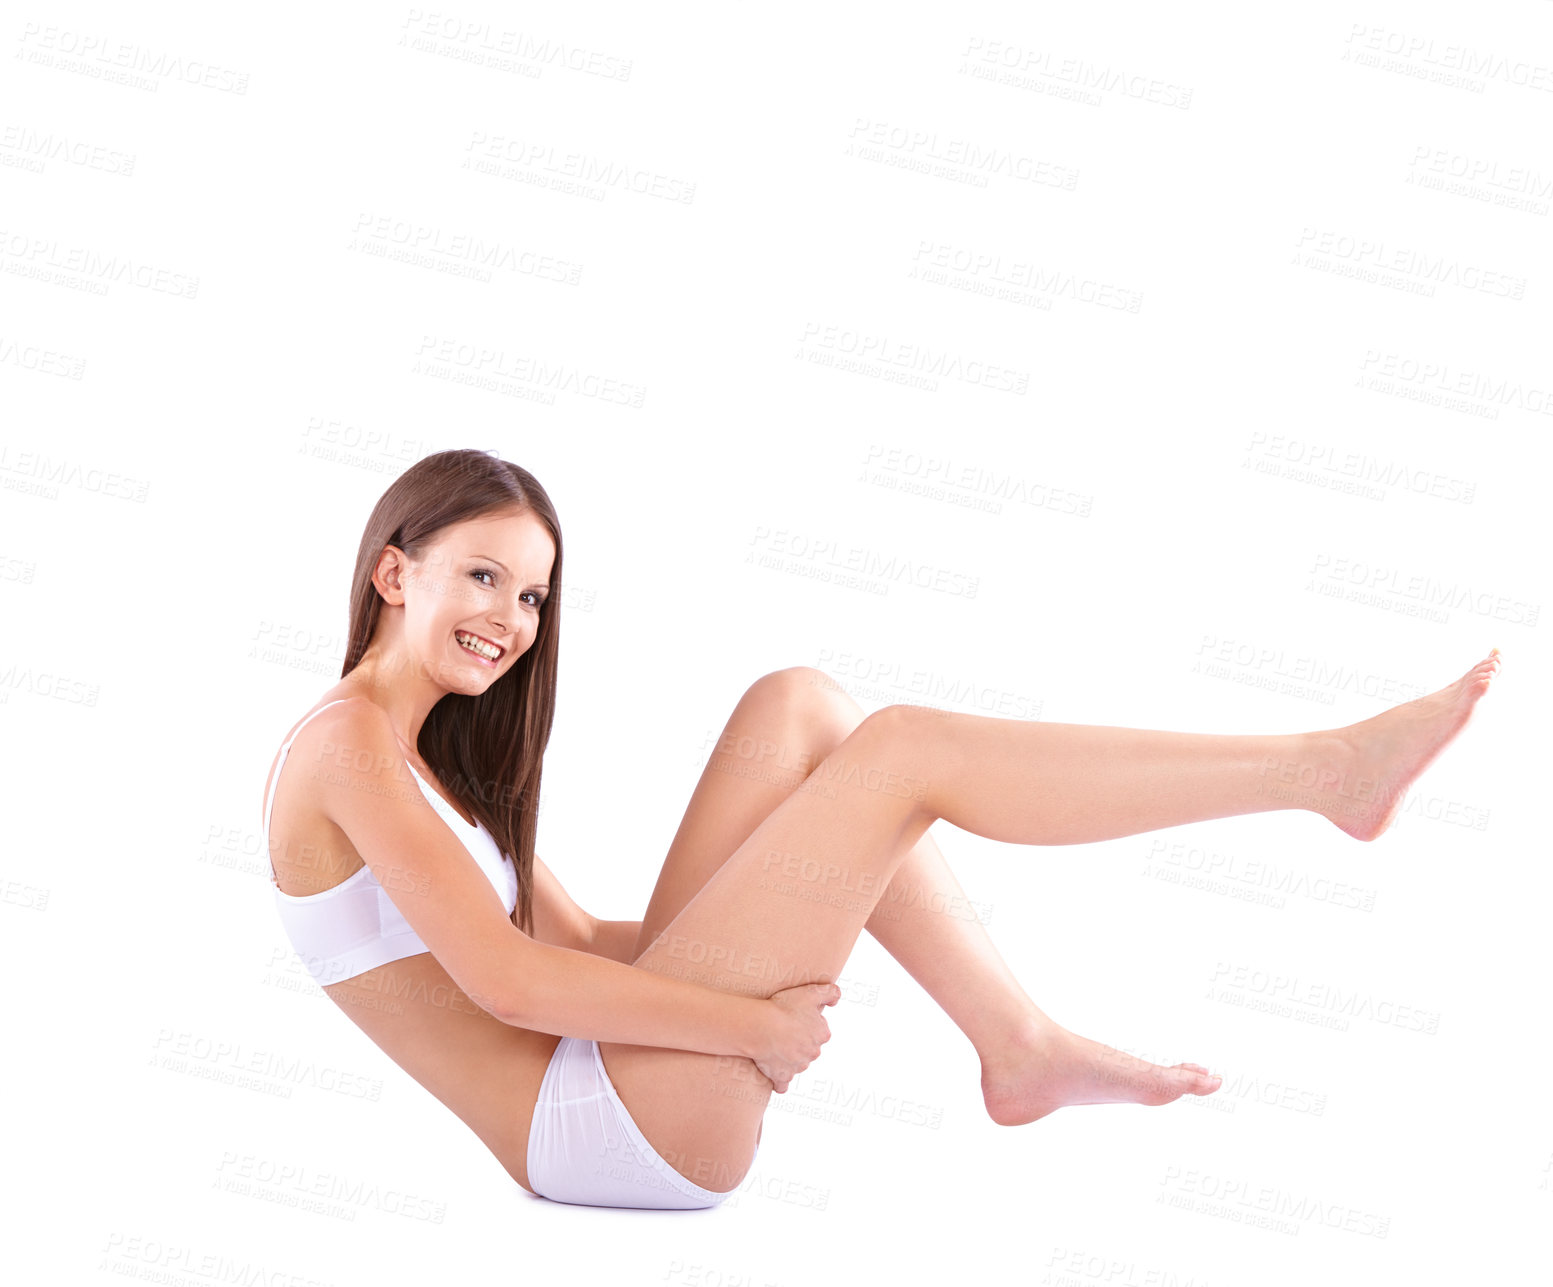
{"points": [[626, 1063]]}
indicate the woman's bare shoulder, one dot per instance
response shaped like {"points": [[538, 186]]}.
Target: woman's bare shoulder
{"points": [[336, 722]]}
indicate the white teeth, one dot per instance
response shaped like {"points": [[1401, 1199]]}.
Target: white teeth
{"points": [[477, 646]]}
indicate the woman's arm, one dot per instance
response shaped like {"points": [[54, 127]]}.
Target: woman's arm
{"points": [[361, 782], [580, 994], [576, 994], [615, 940], [559, 921]]}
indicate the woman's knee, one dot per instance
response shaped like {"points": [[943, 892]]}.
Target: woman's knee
{"points": [[891, 740], [814, 699]]}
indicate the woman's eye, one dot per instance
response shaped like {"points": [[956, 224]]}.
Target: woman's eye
{"points": [[537, 596]]}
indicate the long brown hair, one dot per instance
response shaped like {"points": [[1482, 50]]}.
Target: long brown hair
{"points": [[487, 750]]}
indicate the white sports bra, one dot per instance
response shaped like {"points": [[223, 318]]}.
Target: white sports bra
{"points": [[354, 926]]}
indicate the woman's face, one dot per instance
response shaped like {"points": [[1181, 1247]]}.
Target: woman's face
{"points": [[472, 601]]}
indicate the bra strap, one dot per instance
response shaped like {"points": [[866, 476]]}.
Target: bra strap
{"points": [[269, 804]]}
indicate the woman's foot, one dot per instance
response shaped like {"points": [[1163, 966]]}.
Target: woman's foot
{"points": [[1049, 1067], [1380, 757]]}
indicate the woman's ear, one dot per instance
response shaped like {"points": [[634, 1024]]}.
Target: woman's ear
{"points": [[388, 575]]}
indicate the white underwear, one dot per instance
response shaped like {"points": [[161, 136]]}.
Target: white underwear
{"points": [[584, 1148]]}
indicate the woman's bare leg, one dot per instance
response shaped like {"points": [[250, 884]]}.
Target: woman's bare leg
{"points": [[782, 727], [1020, 782]]}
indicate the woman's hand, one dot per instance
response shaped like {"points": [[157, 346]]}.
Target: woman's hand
{"points": [[797, 1031]]}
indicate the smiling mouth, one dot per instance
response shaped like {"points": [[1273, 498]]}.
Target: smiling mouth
{"points": [[479, 646]]}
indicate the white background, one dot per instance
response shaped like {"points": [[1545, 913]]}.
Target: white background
{"points": [[1254, 439]]}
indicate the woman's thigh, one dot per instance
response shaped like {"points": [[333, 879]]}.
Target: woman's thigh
{"points": [[785, 723], [782, 727], [785, 907]]}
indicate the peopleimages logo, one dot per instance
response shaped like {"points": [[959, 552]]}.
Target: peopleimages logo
{"points": [[875, 139], [1404, 262], [1264, 1205], [1223, 871], [1425, 590], [921, 359], [1325, 1004], [216, 1059], [1447, 56], [1440, 383]]}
